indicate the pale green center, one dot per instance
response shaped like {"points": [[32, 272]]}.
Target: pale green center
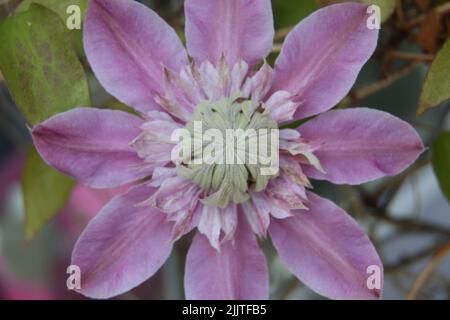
{"points": [[226, 182]]}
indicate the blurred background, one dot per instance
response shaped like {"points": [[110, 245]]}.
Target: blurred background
{"points": [[407, 216]]}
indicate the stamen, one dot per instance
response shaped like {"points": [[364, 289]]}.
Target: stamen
{"points": [[223, 181]]}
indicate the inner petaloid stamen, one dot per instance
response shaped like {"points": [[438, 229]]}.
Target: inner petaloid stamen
{"points": [[232, 149]]}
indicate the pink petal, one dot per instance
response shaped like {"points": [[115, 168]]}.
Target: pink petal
{"points": [[322, 56], [359, 145], [122, 246], [259, 84], [281, 107], [88, 202], [237, 271], [91, 145], [185, 222], [175, 194], [326, 250], [257, 210], [127, 45], [229, 221], [218, 224], [286, 194], [161, 174], [234, 28], [154, 143]]}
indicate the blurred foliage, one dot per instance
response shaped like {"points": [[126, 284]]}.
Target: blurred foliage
{"points": [[57, 6], [45, 77], [436, 88], [60, 7], [46, 192], [39, 64], [290, 12], [441, 161]]}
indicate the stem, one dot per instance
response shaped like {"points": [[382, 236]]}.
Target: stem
{"points": [[440, 10], [428, 271], [411, 56], [377, 86]]}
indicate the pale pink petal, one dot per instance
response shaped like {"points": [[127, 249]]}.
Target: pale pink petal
{"points": [[213, 81], [218, 224], [185, 221], [210, 225], [237, 271], [257, 210], [286, 194], [181, 94], [280, 213], [289, 135], [237, 29], [237, 76], [322, 56], [91, 145], [154, 144], [281, 106], [359, 145], [161, 174], [294, 171], [157, 115], [127, 45], [175, 194], [259, 84], [293, 145], [229, 221], [122, 246], [327, 251]]}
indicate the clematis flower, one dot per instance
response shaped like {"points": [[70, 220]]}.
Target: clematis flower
{"points": [[138, 58]]}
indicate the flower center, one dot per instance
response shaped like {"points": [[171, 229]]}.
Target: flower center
{"points": [[234, 147]]}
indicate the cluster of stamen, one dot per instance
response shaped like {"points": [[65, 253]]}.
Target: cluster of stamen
{"points": [[238, 168]]}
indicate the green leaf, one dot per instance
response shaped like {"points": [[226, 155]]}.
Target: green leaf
{"points": [[40, 65], [441, 161], [45, 77], [290, 12], [436, 88], [58, 6], [46, 192]]}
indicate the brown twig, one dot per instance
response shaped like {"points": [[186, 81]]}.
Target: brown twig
{"points": [[412, 224], [426, 127], [428, 271], [398, 180], [370, 89], [440, 10], [400, 13], [399, 55], [410, 259]]}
